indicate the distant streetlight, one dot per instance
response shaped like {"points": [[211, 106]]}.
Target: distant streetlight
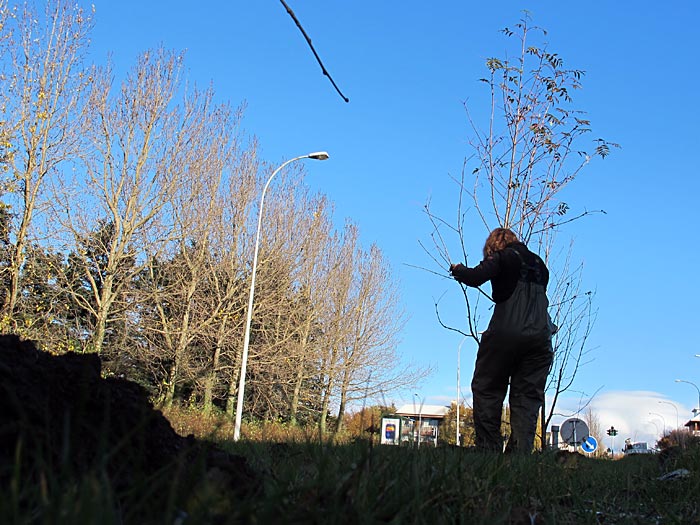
{"points": [[696, 388], [319, 155], [675, 408], [459, 351], [663, 420], [420, 418], [653, 422]]}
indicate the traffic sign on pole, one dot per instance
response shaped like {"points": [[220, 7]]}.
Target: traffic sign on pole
{"points": [[574, 431], [589, 445]]}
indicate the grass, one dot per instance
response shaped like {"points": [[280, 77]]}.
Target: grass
{"points": [[361, 484], [302, 481]]}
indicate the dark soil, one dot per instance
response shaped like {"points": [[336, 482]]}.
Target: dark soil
{"points": [[57, 413]]}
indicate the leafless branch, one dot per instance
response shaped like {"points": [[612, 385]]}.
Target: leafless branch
{"points": [[308, 40]]}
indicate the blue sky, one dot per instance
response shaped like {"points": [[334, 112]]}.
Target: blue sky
{"points": [[407, 68]]}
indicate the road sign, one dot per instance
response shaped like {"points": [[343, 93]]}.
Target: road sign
{"points": [[590, 444], [574, 431]]}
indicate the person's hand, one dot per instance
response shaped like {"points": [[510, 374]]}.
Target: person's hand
{"points": [[454, 268]]}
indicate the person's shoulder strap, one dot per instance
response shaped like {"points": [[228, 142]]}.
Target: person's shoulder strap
{"points": [[528, 272]]}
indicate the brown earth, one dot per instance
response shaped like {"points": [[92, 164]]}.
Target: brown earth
{"points": [[57, 413]]}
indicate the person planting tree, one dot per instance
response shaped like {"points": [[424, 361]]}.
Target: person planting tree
{"points": [[516, 348]]}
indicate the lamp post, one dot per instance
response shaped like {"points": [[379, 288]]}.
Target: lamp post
{"points": [[663, 420], [319, 155], [656, 427], [696, 388], [420, 419], [675, 408], [459, 351]]}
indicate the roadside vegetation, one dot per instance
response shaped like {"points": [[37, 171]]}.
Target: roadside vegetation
{"points": [[308, 482], [79, 448]]}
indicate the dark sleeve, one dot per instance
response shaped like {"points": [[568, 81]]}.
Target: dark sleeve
{"points": [[484, 271]]}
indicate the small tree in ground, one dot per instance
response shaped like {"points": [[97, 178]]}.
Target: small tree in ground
{"points": [[522, 160]]}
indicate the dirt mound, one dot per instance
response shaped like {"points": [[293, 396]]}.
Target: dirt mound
{"points": [[58, 413]]}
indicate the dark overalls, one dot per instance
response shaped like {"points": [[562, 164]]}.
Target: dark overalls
{"points": [[517, 349]]}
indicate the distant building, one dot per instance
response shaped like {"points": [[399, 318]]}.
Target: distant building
{"points": [[414, 424], [694, 425]]}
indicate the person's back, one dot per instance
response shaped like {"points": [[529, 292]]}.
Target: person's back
{"points": [[523, 282], [516, 347]]}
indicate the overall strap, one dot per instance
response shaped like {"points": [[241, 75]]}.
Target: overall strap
{"points": [[530, 273]]}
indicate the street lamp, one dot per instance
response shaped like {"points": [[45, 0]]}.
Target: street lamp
{"points": [[696, 388], [420, 419], [459, 351], [319, 155], [653, 422], [663, 420], [675, 408]]}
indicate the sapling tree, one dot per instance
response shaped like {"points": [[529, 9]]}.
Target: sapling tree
{"points": [[532, 147]]}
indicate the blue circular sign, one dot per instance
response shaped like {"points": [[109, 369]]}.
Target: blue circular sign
{"points": [[590, 444]]}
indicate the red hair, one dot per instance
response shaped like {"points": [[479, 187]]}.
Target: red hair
{"points": [[498, 239]]}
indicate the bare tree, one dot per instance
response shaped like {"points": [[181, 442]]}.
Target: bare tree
{"points": [[179, 276], [313, 280], [229, 286], [336, 306], [43, 95], [226, 292], [360, 325], [6, 152], [371, 366], [141, 141], [595, 428], [522, 160]]}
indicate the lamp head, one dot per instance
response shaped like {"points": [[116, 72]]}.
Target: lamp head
{"points": [[318, 155]]}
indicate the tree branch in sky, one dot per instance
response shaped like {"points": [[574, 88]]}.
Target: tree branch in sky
{"points": [[308, 40]]}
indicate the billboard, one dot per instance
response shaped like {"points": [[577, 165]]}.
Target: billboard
{"points": [[391, 427]]}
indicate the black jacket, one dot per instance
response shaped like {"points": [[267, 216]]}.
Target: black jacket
{"points": [[502, 268]]}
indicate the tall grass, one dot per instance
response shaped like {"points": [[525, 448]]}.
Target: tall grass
{"points": [[292, 477], [362, 484]]}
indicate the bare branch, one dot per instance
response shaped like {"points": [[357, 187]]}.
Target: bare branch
{"points": [[308, 40]]}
